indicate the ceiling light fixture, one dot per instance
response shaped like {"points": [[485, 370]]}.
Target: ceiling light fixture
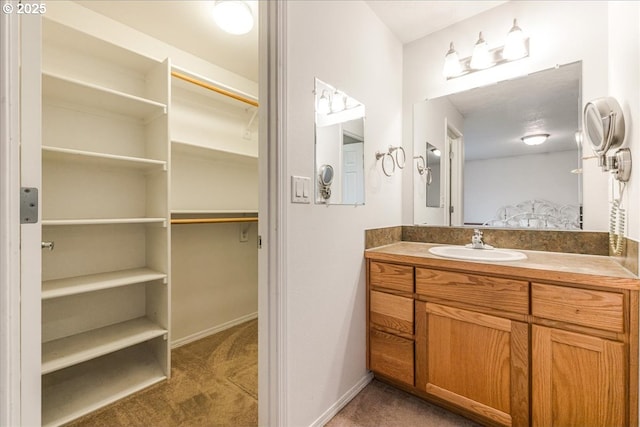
{"points": [[536, 139], [233, 16], [516, 47]]}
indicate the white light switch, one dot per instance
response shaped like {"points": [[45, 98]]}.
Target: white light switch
{"points": [[300, 189]]}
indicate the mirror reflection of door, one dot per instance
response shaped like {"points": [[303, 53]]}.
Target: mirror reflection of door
{"points": [[433, 176], [352, 168]]}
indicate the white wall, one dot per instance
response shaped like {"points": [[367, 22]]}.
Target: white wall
{"points": [[344, 44], [556, 37], [624, 85], [492, 183]]}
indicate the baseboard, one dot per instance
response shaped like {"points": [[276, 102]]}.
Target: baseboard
{"points": [[213, 330], [342, 402]]}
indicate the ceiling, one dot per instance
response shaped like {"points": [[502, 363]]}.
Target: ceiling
{"points": [[497, 116], [188, 25], [410, 20]]}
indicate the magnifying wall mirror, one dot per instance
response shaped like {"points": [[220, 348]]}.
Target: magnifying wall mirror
{"points": [[339, 147]]}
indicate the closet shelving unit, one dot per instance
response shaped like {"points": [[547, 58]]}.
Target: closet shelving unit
{"points": [[105, 205], [212, 131]]}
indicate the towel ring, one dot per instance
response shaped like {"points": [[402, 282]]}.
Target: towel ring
{"points": [[421, 167], [383, 156], [400, 149]]}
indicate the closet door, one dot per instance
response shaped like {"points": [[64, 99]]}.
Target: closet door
{"points": [[105, 165]]}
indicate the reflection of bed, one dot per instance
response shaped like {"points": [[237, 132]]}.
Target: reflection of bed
{"points": [[537, 214]]}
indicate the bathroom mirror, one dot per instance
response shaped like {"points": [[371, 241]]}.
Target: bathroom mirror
{"points": [[339, 147], [491, 175]]}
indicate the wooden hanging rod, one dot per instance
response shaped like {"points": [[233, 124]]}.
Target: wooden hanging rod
{"points": [[214, 88], [213, 220]]}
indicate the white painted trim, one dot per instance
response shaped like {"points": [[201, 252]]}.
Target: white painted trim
{"points": [[272, 357], [31, 234], [343, 401], [214, 330], [10, 407]]}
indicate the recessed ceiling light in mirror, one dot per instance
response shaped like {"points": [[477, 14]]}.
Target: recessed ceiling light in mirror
{"points": [[536, 139]]}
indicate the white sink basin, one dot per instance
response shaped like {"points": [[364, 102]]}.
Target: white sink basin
{"points": [[461, 252]]}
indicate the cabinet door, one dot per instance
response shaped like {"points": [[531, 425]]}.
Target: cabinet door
{"points": [[577, 380], [475, 361]]}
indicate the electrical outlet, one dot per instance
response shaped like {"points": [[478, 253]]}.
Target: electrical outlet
{"points": [[244, 233]]}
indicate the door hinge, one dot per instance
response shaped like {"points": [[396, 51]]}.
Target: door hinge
{"points": [[28, 205], [259, 242], [450, 209]]}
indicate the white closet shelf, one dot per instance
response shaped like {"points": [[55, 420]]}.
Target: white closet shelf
{"points": [[94, 282], [104, 221], [91, 385], [101, 159], [101, 98], [57, 34], [211, 152], [69, 351]]}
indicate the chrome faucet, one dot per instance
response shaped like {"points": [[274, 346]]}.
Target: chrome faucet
{"points": [[476, 239]]}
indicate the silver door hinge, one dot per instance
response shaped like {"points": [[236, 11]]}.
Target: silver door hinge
{"points": [[28, 205]]}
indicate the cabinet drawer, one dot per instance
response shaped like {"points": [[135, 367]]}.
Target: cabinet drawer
{"points": [[391, 311], [391, 276], [491, 292], [391, 356], [596, 309]]}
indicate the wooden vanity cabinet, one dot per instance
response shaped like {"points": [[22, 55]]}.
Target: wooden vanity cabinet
{"points": [[469, 351], [508, 350], [579, 378], [391, 322]]}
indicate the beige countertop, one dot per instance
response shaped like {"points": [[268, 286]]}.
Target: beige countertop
{"points": [[594, 270]]}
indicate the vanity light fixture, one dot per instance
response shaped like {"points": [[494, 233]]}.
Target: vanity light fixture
{"points": [[481, 58], [324, 104], [451, 63], [516, 47], [338, 102], [436, 152], [233, 16], [536, 139]]}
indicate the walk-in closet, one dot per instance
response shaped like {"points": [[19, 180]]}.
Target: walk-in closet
{"points": [[149, 210]]}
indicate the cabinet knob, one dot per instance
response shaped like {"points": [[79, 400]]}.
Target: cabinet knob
{"points": [[48, 245]]}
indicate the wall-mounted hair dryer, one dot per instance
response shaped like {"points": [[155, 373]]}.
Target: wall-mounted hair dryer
{"points": [[604, 128]]}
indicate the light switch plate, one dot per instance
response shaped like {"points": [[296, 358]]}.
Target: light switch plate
{"points": [[300, 189]]}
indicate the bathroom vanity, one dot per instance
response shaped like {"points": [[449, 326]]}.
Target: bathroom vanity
{"points": [[551, 340]]}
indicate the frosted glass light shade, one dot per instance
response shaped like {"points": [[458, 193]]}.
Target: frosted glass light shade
{"points": [[452, 66], [233, 16], [323, 106], [481, 57], [337, 102], [514, 47]]}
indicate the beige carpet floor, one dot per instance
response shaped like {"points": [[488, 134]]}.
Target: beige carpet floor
{"points": [[214, 382], [379, 404]]}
